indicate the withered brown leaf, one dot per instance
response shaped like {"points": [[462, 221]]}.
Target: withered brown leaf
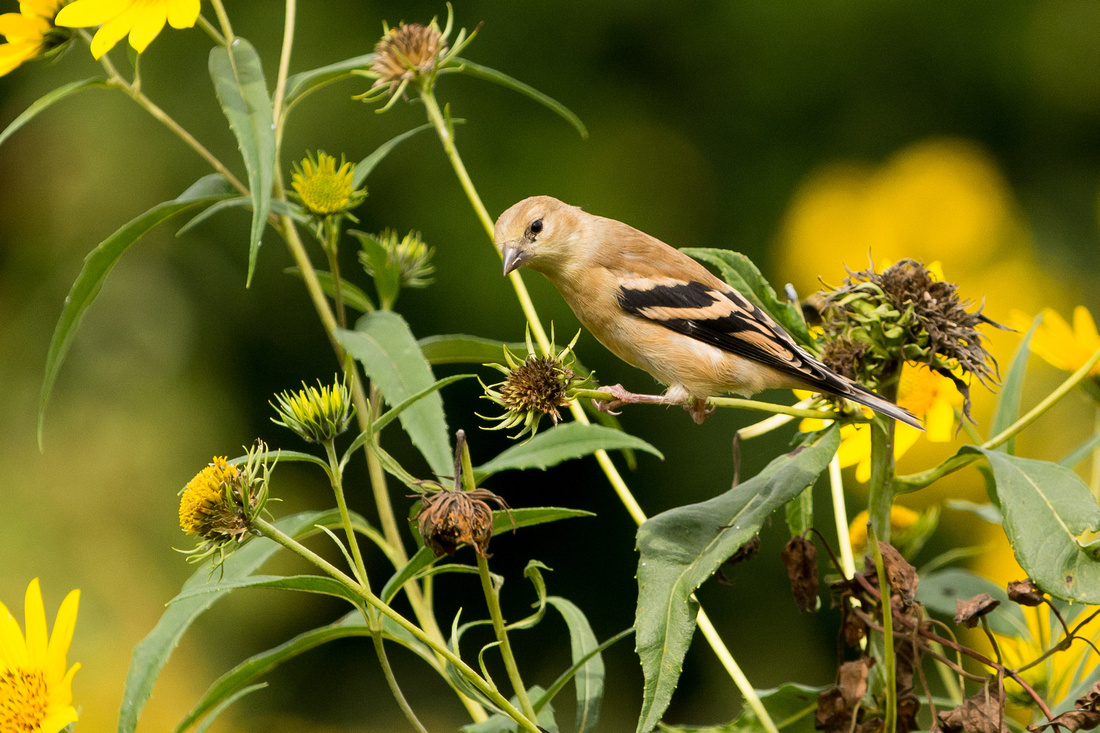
{"points": [[800, 557], [981, 713], [970, 611]]}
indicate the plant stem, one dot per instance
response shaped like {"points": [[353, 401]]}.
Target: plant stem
{"points": [[223, 20], [336, 477], [284, 70], [211, 31], [881, 491], [917, 481], [840, 515], [619, 486], [493, 601], [890, 724], [274, 533], [383, 659], [735, 402]]}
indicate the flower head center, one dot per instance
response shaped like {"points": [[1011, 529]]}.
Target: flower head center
{"points": [[539, 384], [24, 697], [918, 389], [322, 187], [203, 501]]}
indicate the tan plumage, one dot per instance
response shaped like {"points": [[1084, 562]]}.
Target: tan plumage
{"points": [[663, 312]]}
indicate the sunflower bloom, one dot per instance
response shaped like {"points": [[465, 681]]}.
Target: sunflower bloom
{"points": [[143, 20], [30, 33], [1060, 673], [1063, 347], [932, 397], [35, 686]]}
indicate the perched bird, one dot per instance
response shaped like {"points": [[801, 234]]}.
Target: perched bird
{"points": [[663, 312]]}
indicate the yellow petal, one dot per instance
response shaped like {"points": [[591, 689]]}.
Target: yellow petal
{"points": [[41, 8], [34, 618], [57, 719], [904, 438], [855, 445], [84, 13], [936, 268], [61, 689], [183, 13], [1054, 341], [1084, 328], [13, 650], [13, 54], [18, 27], [62, 635], [939, 421], [863, 470], [111, 33], [148, 22]]}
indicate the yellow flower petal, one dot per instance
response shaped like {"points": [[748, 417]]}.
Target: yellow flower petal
{"points": [[1084, 328], [183, 13], [148, 21], [62, 635], [41, 8], [939, 421], [16, 27], [34, 618], [61, 690], [57, 719], [13, 650], [112, 32], [84, 13], [1052, 339]]}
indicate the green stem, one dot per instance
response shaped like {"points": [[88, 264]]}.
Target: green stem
{"points": [[890, 724], [336, 477], [284, 70], [917, 481], [734, 671], [223, 21], [446, 137], [493, 601], [840, 514], [274, 533], [332, 250], [391, 680], [881, 491], [211, 31]]}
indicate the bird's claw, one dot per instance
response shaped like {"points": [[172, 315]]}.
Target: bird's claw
{"points": [[608, 407], [621, 395], [699, 411]]}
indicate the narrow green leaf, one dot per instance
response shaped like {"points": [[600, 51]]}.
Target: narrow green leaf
{"points": [[391, 357], [47, 100], [530, 516], [422, 559], [225, 704], [501, 723], [1081, 452], [533, 572], [681, 548], [353, 295], [938, 592], [561, 443], [284, 455], [300, 85], [1051, 520], [1008, 400], [303, 583], [242, 91], [364, 167], [589, 678], [744, 277], [385, 272], [578, 664], [484, 72], [791, 707], [800, 512], [281, 208], [99, 263], [462, 349], [152, 652]]}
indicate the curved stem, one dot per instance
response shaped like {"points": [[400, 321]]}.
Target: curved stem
{"points": [[223, 20], [335, 476], [274, 533], [284, 70], [493, 601], [391, 680], [446, 137]]}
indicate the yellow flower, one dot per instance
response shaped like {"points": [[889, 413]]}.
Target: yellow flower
{"points": [[141, 19], [35, 687], [931, 397], [1065, 348], [322, 188], [1057, 676], [30, 33], [901, 519]]}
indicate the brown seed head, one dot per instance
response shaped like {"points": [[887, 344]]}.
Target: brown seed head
{"points": [[449, 518], [406, 52]]}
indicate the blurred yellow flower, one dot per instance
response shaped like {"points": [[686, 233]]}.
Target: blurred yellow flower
{"points": [[931, 397], [1064, 348], [29, 33], [143, 20], [1057, 676], [35, 687], [901, 519]]}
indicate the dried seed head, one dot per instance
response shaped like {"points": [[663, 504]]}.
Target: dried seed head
{"points": [[317, 414], [449, 518], [405, 53], [1025, 593], [970, 611]]}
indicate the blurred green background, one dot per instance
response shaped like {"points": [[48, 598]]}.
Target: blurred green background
{"points": [[807, 135]]}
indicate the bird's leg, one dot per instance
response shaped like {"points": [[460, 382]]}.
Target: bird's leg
{"points": [[697, 407], [698, 410]]}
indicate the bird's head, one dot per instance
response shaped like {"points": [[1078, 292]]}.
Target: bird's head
{"points": [[539, 232]]}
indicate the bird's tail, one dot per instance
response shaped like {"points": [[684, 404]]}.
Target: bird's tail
{"points": [[862, 395]]}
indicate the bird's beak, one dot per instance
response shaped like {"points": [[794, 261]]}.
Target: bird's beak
{"points": [[514, 257]]}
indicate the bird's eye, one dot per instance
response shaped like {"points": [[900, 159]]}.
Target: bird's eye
{"points": [[536, 226]]}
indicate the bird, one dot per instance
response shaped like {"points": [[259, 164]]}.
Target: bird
{"points": [[661, 311]]}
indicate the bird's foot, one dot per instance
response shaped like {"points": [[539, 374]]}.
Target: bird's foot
{"points": [[624, 397], [698, 410]]}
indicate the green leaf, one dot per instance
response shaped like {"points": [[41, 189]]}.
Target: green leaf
{"points": [[938, 591], [533, 572], [391, 357], [242, 91], [284, 455], [791, 707], [99, 263], [500, 723], [589, 678], [1081, 452], [561, 443], [300, 85], [530, 516], [353, 295], [47, 100], [385, 272], [462, 349], [988, 512], [281, 208], [800, 512], [1008, 401], [364, 167], [152, 652], [681, 548], [351, 625], [225, 704], [321, 584], [484, 72], [744, 277], [1051, 519], [422, 559]]}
